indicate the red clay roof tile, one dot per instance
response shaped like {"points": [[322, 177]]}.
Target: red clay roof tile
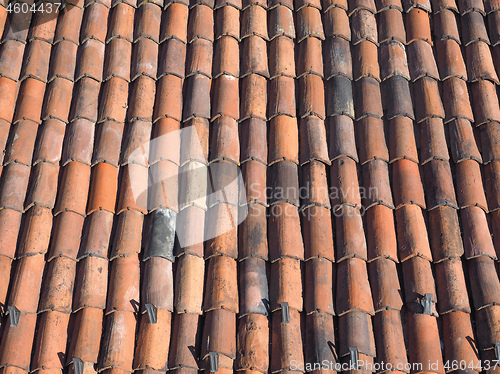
{"points": [[226, 62], [128, 235], [412, 233], [417, 26], [254, 173], [424, 328], [380, 233], [220, 326], [368, 98], [116, 64], [462, 141], [286, 284], [312, 97], [123, 293], [318, 274], [253, 287], [421, 61], [402, 139], [451, 288], [35, 232], [450, 60], [477, 237], [376, 178], [389, 340], [153, 342], [79, 142], [385, 4], [13, 188], [313, 143], [51, 341], [341, 140], [336, 23], [10, 223], [312, 61], [444, 232], [11, 59], [344, 179], [352, 273], [387, 293], [418, 281], [485, 286], [19, 147], [287, 340], [87, 94], [314, 178], [363, 27], [473, 28], [480, 63], [407, 184], [57, 290], [281, 22], [91, 284], [365, 61], [42, 27], [91, 60], [319, 338], [94, 23], [253, 233], [158, 284], [459, 338], [254, 48], [26, 284], [391, 26], [355, 330], [221, 287], [199, 58], [252, 342], [84, 343], [185, 344], [17, 342], [119, 333], [74, 188], [286, 239], [144, 61], [362, 4], [220, 221], [433, 145], [469, 185], [283, 140], [36, 64], [317, 232], [439, 191]]}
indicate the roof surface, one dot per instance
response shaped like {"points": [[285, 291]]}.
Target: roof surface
{"points": [[366, 135]]}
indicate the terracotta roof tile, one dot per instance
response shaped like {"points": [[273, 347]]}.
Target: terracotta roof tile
{"points": [[67, 232], [37, 63], [94, 23], [87, 335], [313, 144], [365, 61], [380, 233], [24, 289], [17, 342], [371, 133], [341, 139], [469, 183], [368, 98], [389, 339], [68, 24], [384, 4], [281, 22], [13, 188], [391, 26], [57, 290], [144, 60], [253, 334], [402, 139], [439, 191], [363, 27], [387, 293], [473, 28], [157, 286], [319, 338], [337, 55], [424, 327], [451, 288], [79, 141], [91, 60], [417, 26], [355, 330], [91, 283], [485, 287], [353, 274], [418, 281], [444, 235], [376, 178], [480, 63], [185, 344], [153, 342], [35, 232], [119, 351], [336, 23], [253, 233], [127, 239], [487, 327], [339, 97], [407, 183], [10, 223], [287, 338], [318, 273], [477, 237], [253, 287], [344, 178], [412, 233]]}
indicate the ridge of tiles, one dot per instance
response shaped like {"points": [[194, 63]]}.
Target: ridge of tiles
{"points": [[385, 112]]}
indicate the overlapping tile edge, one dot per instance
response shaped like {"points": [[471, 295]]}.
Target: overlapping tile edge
{"points": [[58, 194]]}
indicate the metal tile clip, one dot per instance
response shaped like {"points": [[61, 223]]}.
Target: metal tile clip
{"points": [[152, 313], [285, 313], [14, 315], [497, 350], [354, 357], [77, 365], [426, 302], [214, 361]]}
